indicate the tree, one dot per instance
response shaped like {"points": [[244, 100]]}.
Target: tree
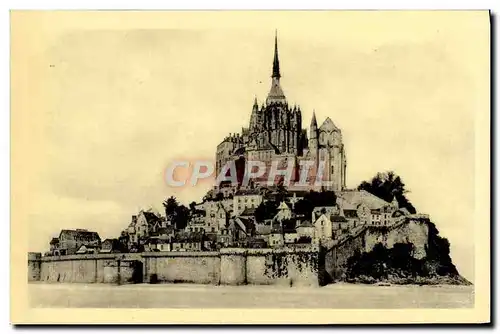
{"points": [[388, 186], [178, 214], [192, 205], [171, 206], [314, 199], [266, 210], [438, 251], [304, 207]]}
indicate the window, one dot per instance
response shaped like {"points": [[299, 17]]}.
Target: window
{"points": [[213, 229]]}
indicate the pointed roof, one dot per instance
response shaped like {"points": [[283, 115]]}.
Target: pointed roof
{"points": [[357, 197], [276, 61], [313, 120], [328, 125], [283, 206], [276, 93]]}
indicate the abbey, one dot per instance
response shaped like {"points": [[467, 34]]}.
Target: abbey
{"points": [[275, 133]]}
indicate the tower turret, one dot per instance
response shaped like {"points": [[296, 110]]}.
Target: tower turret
{"points": [[313, 133], [253, 117]]}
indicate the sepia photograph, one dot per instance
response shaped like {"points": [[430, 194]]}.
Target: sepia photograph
{"points": [[235, 167]]}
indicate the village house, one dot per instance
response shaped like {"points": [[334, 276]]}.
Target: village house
{"points": [[306, 230], [257, 242], [290, 237], [284, 213], [158, 245], [248, 213], [69, 241], [340, 226], [54, 247], [352, 218], [142, 225], [87, 249], [323, 227], [197, 223], [210, 241], [236, 232], [371, 210], [327, 210], [187, 241], [246, 199], [160, 240], [276, 238], [111, 246], [216, 217]]}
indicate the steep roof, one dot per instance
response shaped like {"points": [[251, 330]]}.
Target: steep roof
{"points": [[306, 223], [188, 237], [248, 212], [150, 217], [79, 235], [349, 213], [337, 218], [283, 206], [328, 126], [356, 197]]}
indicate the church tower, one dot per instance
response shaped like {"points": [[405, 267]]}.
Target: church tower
{"points": [[276, 94], [313, 136]]}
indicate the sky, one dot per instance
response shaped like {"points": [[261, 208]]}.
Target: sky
{"points": [[114, 100]]}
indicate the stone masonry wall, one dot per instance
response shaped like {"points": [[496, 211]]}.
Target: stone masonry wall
{"points": [[186, 267], [291, 267], [413, 231]]}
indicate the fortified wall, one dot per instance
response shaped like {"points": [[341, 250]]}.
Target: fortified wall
{"points": [[304, 266], [230, 266], [334, 254]]}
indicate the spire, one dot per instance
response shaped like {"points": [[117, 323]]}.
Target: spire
{"points": [[255, 105], [313, 121], [276, 62], [276, 94]]}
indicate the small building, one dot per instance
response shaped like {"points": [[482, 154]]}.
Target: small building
{"points": [[324, 210], [263, 227], [246, 199], [371, 209], [83, 249], [323, 227], [187, 242], [284, 213], [247, 213], [71, 240], [216, 216], [276, 238], [54, 247], [210, 241], [142, 225], [156, 244], [305, 229], [290, 237], [352, 218], [196, 223], [339, 226], [111, 246], [257, 242]]}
